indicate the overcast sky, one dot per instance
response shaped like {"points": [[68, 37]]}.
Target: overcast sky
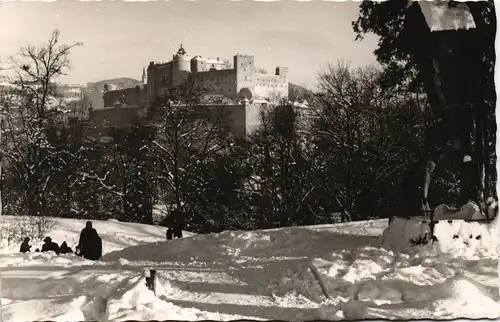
{"points": [[121, 37]]}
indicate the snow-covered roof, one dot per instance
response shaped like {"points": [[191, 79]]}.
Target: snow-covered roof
{"points": [[208, 60], [214, 61]]}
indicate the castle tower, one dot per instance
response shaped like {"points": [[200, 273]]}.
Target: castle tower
{"points": [[181, 65], [244, 66], [198, 64], [151, 81], [143, 75]]}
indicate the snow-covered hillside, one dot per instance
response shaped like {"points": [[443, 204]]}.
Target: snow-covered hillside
{"points": [[301, 273], [115, 235]]}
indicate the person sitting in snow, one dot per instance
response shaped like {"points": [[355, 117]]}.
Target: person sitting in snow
{"points": [[86, 236], [49, 245], [25, 246], [64, 249], [93, 247], [169, 233]]}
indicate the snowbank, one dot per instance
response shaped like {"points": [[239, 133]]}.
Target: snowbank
{"points": [[426, 285], [452, 233], [115, 235], [469, 211], [292, 242]]}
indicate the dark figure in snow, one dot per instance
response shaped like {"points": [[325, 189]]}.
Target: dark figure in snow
{"points": [[86, 236], [92, 248], [178, 217], [178, 231], [64, 249], [169, 233], [37, 250], [25, 245], [49, 245]]}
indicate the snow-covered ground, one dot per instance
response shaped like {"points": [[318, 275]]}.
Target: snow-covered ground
{"points": [[283, 274], [115, 235]]}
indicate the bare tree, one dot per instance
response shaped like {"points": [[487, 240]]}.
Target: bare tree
{"points": [[28, 108], [191, 133], [278, 187], [355, 122], [124, 172]]}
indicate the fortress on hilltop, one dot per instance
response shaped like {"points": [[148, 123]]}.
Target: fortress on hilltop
{"points": [[219, 77], [241, 89]]}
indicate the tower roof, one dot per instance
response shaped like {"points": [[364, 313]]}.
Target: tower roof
{"points": [[181, 50]]}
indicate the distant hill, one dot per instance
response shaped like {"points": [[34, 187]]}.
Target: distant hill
{"points": [[94, 90], [298, 91]]}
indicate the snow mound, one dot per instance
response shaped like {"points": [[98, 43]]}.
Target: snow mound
{"points": [[452, 233], [292, 242], [63, 295], [115, 234], [373, 283]]}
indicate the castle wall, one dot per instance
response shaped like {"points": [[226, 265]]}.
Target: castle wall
{"points": [[199, 64], [234, 115], [135, 96], [162, 77], [218, 81], [103, 120], [252, 117], [269, 86], [236, 119]]}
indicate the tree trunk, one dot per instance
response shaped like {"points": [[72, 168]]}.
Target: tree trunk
{"points": [[480, 151], [468, 174], [33, 204]]}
